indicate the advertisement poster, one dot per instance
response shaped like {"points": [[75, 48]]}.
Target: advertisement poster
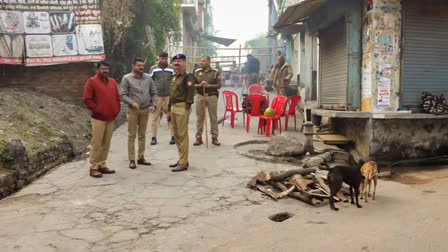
{"points": [[42, 32], [37, 22], [65, 45], [90, 39], [384, 92], [38, 46]]}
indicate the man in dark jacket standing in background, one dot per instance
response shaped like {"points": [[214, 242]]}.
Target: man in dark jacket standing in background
{"points": [[139, 92], [253, 69], [161, 73], [102, 98]]}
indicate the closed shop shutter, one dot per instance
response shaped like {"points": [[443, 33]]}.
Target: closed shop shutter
{"points": [[425, 50], [334, 66]]}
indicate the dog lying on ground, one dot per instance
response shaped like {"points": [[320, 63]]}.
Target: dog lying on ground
{"points": [[351, 176], [370, 172]]}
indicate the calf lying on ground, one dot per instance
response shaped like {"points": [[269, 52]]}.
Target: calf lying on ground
{"points": [[370, 172], [351, 176]]}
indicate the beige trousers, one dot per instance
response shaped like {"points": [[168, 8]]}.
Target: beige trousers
{"points": [[162, 108], [137, 124], [212, 107], [179, 120], [99, 148]]}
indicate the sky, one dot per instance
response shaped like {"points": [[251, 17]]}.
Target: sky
{"points": [[240, 19]]}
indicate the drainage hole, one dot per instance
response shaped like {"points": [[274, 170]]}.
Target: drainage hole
{"points": [[280, 217]]}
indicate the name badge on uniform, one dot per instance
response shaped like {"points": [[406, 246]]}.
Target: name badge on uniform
{"points": [[200, 74], [190, 83]]}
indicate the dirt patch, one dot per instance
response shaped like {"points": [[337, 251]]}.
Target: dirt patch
{"points": [[419, 175], [39, 120]]}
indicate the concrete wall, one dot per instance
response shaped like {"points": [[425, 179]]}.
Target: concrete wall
{"points": [[358, 131], [381, 61], [394, 140], [65, 82]]}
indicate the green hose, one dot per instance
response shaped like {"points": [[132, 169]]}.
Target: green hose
{"points": [[417, 160]]}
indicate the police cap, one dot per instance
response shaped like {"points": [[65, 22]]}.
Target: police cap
{"points": [[180, 56]]}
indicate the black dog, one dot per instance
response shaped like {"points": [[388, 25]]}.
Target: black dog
{"points": [[350, 175]]}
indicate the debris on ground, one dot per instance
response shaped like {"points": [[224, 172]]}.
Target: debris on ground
{"points": [[305, 184]]}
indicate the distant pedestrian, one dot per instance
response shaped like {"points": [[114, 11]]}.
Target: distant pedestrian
{"points": [[181, 99], [210, 79], [161, 73], [103, 100], [281, 75], [253, 69], [139, 92]]}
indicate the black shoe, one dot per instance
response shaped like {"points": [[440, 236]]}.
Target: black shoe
{"points": [[172, 141], [174, 165], [154, 141], [142, 161]]}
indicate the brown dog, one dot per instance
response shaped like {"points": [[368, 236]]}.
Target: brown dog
{"points": [[370, 172]]}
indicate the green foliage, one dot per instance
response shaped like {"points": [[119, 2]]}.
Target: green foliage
{"points": [[5, 156], [139, 28]]}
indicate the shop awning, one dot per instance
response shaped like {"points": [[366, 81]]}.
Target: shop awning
{"points": [[222, 41], [298, 12]]}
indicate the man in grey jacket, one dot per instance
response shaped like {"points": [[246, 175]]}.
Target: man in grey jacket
{"points": [[139, 92]]}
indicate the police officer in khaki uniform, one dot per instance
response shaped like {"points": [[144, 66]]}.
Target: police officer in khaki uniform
{"points": [[181, 99], [210, 79]]}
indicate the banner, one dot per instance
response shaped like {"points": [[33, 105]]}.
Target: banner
{"points": [[43, 32]]}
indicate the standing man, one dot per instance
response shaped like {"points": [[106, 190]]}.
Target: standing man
{"points": [[253, 69], [102, 98], [281, 76], [210, 79], [181, 99], [161, 73], [139, 92]]}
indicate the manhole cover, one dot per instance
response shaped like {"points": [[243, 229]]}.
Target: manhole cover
{"points": [[280, 217]]}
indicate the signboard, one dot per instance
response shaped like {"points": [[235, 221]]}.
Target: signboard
{"points": [[45, 32]]}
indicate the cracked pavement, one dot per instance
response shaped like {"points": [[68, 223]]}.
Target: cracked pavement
{"points": [[208, 208]]}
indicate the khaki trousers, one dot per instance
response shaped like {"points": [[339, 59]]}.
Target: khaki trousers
{"points": [[179, 120], [99, 148], [137, 124], [212, 107], [162, 108]]}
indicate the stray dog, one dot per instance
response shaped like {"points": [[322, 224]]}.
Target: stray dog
{"points": [[350, 175], [370, 172]]}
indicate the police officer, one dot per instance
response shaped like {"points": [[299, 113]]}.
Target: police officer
{"points": [[210, 79], [181, 99]]}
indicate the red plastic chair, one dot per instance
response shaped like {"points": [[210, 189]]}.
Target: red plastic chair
{"points": [[255, 108], [228, 101], [278, 104], [257, 89], [290, 109]]}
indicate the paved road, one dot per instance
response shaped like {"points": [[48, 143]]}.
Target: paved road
{"points": [[209, 208]]}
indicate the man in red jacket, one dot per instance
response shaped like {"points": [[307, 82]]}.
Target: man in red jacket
{"points": [[102, 98]]}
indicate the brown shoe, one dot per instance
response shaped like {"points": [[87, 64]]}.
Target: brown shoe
{"points": [[95, 174], [106, 170], [174, 165], [180, 168], [132, 164], [142, 161], [216, 142], [198, 142]]}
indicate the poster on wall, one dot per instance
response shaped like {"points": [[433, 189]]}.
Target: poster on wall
{"points": [[36, 22], [384, 92], [38, 46], [90, 39], [11, 22], [50, 32], [65, 45], [62, 22]]}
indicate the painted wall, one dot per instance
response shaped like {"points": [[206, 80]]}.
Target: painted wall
{"points": [[381, 39]]}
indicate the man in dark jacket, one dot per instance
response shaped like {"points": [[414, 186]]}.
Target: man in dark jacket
{"points": [[161, 73], [102, 98], [253, 69]]}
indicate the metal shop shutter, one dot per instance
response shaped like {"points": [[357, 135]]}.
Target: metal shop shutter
{"points": [[334, 66], [425, 50]]}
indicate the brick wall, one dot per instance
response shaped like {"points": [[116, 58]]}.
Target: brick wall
{"points": [[65, 82], [24, 168]]}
